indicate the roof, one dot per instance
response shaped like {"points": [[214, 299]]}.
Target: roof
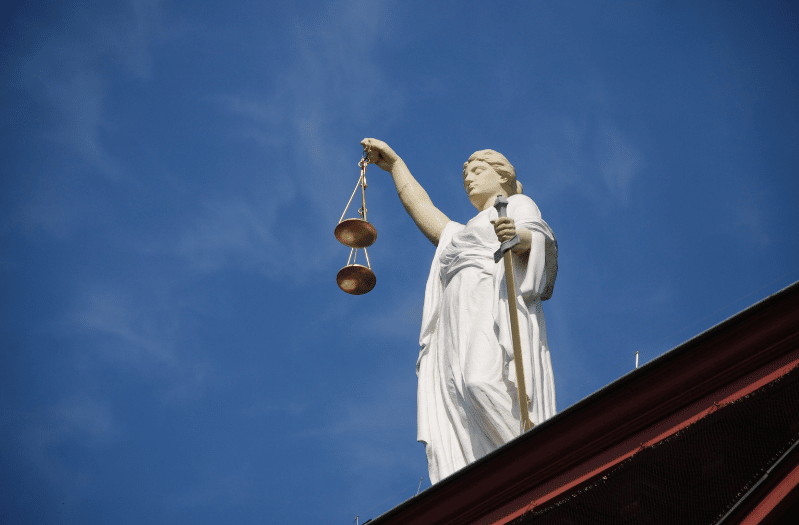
{"points": [[644, 408]]}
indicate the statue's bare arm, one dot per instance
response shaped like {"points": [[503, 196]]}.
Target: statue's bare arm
{"points": [[429, 219]]}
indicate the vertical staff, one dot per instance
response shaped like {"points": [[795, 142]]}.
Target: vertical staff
{"points": [[501, 205]]}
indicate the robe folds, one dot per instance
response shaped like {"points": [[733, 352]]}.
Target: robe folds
{"points": [[467, 401]]}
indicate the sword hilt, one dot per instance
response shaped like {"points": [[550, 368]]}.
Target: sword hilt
{"points": [[501, 204]]}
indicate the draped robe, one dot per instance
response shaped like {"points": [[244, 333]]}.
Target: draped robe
{"points": [[467, 401]]}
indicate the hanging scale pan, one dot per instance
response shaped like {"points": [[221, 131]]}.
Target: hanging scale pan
{"points": [[357, 233], [356, 279]]}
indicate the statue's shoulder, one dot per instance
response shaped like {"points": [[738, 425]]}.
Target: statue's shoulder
{"points": [[522, 205]]}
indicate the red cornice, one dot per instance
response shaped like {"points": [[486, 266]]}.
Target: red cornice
{"points": [[660, 395]]}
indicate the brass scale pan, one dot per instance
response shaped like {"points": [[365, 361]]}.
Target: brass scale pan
{"points": [[357, 279]]}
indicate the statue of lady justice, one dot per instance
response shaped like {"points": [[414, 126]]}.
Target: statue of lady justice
{"points": [[467, 397]]}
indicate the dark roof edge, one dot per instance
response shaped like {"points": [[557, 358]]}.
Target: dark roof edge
{"points": [[669, 355], [768, 303]]}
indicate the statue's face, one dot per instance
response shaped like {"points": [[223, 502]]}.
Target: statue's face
{"points": [[481, 181]]}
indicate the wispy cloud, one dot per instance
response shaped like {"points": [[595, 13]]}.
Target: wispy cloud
{"points": [[618, 160], [228, 232], [68, 71], [79, 417], [109, 312], [401, 318], [143, 26], [79, 420], [333, 78], [331, 82], [361, 425], [749, 213], [142, 330], [374, 435], [590, 155]]}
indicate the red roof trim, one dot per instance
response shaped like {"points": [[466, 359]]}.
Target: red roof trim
{"points": [[585, 473], [657, 394]]}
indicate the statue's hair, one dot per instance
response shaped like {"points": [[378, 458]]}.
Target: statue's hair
{"points": [[500, 164]]}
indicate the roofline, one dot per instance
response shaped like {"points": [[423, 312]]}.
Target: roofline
{"points": [[718, 356]]}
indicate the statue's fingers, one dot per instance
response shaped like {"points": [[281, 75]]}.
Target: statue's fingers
{"points": [[373, 156]]}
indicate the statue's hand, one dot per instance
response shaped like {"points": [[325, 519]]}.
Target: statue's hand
{"points": [[505, 228], [380, 153]]}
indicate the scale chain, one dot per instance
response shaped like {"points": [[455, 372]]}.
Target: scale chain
{"points": [[362, 181], [350, 201], [354, 278]]}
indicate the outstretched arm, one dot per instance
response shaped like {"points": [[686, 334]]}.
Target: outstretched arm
{"points": [[429, 219]]}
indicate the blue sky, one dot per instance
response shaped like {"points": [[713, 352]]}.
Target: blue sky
{"points": [[174, 345]]}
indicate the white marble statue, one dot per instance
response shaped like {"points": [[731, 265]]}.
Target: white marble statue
{"points": [[467, 399]]}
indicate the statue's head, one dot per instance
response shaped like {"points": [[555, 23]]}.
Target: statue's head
{"points": [[506, 174]]}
